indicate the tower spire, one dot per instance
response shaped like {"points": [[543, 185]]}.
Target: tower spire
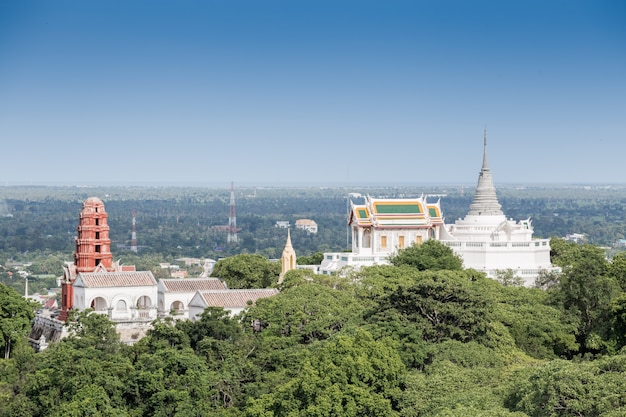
{"points": [[288, 259], [485, 165], [485, 200], [93, 249]]}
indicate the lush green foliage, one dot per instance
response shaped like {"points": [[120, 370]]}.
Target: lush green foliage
{"points": [[15, 316], [431, 255], [386, 341], [247, 271]]}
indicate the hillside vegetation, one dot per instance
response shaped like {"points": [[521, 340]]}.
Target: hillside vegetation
{"points": [[421, 337]]}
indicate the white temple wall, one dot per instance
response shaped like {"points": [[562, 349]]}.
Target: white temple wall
{"points": [[503, 255], [119, 305], [166, 300]]}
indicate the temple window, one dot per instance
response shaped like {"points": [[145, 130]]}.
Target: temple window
{"points": [[97, 235], [97, 222], [97, 248], [401, 242], [367, 238], [418, 240], [383, 242]]}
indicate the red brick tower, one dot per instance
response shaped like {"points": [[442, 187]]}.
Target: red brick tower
{"points": [[93, 249], [93, 246]]}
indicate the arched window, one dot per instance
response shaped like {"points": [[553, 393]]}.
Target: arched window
{"points": [[144, 302], [121, 305], [177, 308], [99, 304], [367, 238]]}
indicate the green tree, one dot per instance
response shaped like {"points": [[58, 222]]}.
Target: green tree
{"points": [[617, 314], [65, 368], [379, 281], [89, 400], [290, 323], [444, 305], [539, 329], [564, 253], [347, 376], [585, 291], [296, 277], [315, 259], [170, 382], [508, 278], [247, 271], [565, 388], [617, 269], [95, 330], [215, 323], [165, 334], [430, 255], [305, 313], [16, 314], [464, 381]]}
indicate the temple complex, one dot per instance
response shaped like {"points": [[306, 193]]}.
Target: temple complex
{"points": [[131, 299], [485, 239]]}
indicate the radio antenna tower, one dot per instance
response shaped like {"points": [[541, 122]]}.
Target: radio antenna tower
{"points": [[232, 219], [133, 236]]}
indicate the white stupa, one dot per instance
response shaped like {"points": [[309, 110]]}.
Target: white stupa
{"points": [[489, 242]]}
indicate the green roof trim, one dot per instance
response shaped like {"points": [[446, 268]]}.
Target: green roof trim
{"points": [[432, 212], [398, 208], [362, 213]]}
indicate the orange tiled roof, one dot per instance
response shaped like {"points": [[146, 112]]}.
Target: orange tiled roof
{"points": [[235, 298], [193, 284], [117, 279]]}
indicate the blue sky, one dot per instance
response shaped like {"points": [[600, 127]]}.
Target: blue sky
{"points": [[316, 92]]}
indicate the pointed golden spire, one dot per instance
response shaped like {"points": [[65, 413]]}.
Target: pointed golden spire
{"points": [[288, 260]]}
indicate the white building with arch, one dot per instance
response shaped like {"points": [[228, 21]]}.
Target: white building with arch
{"points": [[129, 296], [234, 301], [174, 294]]}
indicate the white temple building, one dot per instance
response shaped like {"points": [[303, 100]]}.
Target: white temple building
{"points": [[382, 226], [485, 239], [489, 242]]}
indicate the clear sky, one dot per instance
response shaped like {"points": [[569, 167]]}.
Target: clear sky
{"points": [[317, 92]]}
